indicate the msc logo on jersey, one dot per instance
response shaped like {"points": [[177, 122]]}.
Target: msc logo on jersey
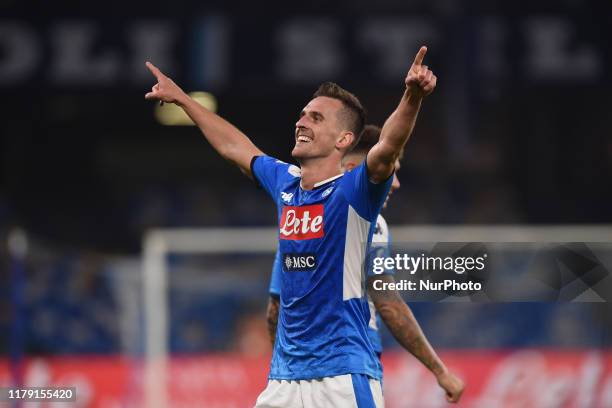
{"points": [[327, 192], [299, 262], [305, 222]]}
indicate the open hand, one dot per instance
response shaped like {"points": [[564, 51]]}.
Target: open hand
{"points": [[420, 81]]}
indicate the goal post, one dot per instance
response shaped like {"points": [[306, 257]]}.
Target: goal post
{"points": [[159, 243]]}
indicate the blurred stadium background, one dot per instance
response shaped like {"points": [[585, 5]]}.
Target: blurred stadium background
{"points": [[517, 133]]}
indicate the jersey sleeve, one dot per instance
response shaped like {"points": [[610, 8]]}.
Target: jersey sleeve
{"points": [[275, 278], [270, 173], [363, 195]]}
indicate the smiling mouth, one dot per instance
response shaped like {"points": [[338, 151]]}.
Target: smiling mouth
{"points": [[303, 139]]}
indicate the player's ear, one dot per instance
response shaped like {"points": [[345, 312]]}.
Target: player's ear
{"points": [[345, 141]]}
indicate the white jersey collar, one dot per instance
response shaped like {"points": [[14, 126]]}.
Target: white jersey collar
{"points": [[320, 183]]}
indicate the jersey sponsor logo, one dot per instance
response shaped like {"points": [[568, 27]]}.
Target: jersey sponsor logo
{"points": [[299, 262], [305, 222]]}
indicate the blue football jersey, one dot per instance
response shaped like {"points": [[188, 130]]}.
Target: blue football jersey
{"points": [[324, 236], [380, 247]]}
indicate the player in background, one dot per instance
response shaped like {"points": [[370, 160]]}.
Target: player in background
{"points": [[396, 314], [322, 356]]}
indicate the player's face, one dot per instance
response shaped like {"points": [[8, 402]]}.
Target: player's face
{"points": [[318, 129], [395, 185]]}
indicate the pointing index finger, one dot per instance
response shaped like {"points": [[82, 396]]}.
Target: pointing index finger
{"points": [[418, 60], [154, 70]]}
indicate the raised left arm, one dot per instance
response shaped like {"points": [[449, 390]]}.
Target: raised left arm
{"points": [[398, 127]]}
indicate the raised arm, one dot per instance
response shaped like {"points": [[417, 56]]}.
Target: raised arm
{"points": [[401, 322], [225, 138], [420, 82]]}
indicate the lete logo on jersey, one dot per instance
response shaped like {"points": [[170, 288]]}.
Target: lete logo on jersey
{"points": [[305, 222]]}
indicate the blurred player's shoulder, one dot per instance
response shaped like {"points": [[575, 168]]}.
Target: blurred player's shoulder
{"points": [[381, 230]]}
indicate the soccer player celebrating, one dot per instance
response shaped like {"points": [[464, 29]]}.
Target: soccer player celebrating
{"points": [[380, 239], [396, 314], [323, 356]]}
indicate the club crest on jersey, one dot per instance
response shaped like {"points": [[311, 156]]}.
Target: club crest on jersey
{"points": [[299, 262], [305, 222], [327, 192]]}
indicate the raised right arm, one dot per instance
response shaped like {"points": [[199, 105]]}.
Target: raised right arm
{"points": [[225, 138]]}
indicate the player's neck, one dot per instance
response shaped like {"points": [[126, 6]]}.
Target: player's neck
{"points": [[314, 171]]}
